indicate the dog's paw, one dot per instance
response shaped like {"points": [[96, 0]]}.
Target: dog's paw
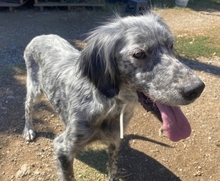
{"points": [[29, 134], [113, 179]]}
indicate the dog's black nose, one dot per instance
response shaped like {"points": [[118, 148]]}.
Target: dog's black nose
{"points": [[193, 91]]}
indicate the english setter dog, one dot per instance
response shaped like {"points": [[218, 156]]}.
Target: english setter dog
{"points": [[126, 61]]}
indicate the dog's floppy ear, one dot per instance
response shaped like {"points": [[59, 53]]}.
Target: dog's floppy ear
{"points": [[98, 61]]}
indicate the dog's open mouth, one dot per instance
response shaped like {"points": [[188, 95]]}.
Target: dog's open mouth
{"points": [[175, 124]]}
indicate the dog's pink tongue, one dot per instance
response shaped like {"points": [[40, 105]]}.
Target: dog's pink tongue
{"points": [[175, 124]]}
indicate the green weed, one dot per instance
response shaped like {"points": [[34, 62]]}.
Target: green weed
{"points": [[194, 47]]}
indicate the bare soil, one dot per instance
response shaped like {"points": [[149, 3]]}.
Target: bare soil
{"points": [[144, 155]]}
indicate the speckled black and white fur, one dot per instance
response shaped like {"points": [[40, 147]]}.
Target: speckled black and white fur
{"points": [[89, 88]]}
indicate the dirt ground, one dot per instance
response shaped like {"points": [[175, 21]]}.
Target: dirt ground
{"points": [[144, 155]]}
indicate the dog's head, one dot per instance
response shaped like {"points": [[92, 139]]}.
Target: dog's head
{"points": [[138, 50]]}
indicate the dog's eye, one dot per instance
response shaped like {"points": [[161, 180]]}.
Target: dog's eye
{"points": [[139, 55]]}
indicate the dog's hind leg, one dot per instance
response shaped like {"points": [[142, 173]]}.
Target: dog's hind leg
{"points": [[32, 96]]}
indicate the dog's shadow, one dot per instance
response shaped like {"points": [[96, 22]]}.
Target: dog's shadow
{"points": [[133, 164]]}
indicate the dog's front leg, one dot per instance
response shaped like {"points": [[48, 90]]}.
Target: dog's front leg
{"points": [[64, 156], [65, 168], [113, 150]]}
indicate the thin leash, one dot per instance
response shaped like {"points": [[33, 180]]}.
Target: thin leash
{"points": [[121, 121]]}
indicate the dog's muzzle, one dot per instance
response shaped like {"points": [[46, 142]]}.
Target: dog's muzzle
{"points": [[175, 124]]}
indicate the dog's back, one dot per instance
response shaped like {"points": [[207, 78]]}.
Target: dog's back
{"points": [[49, 60], [44, 50]]}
